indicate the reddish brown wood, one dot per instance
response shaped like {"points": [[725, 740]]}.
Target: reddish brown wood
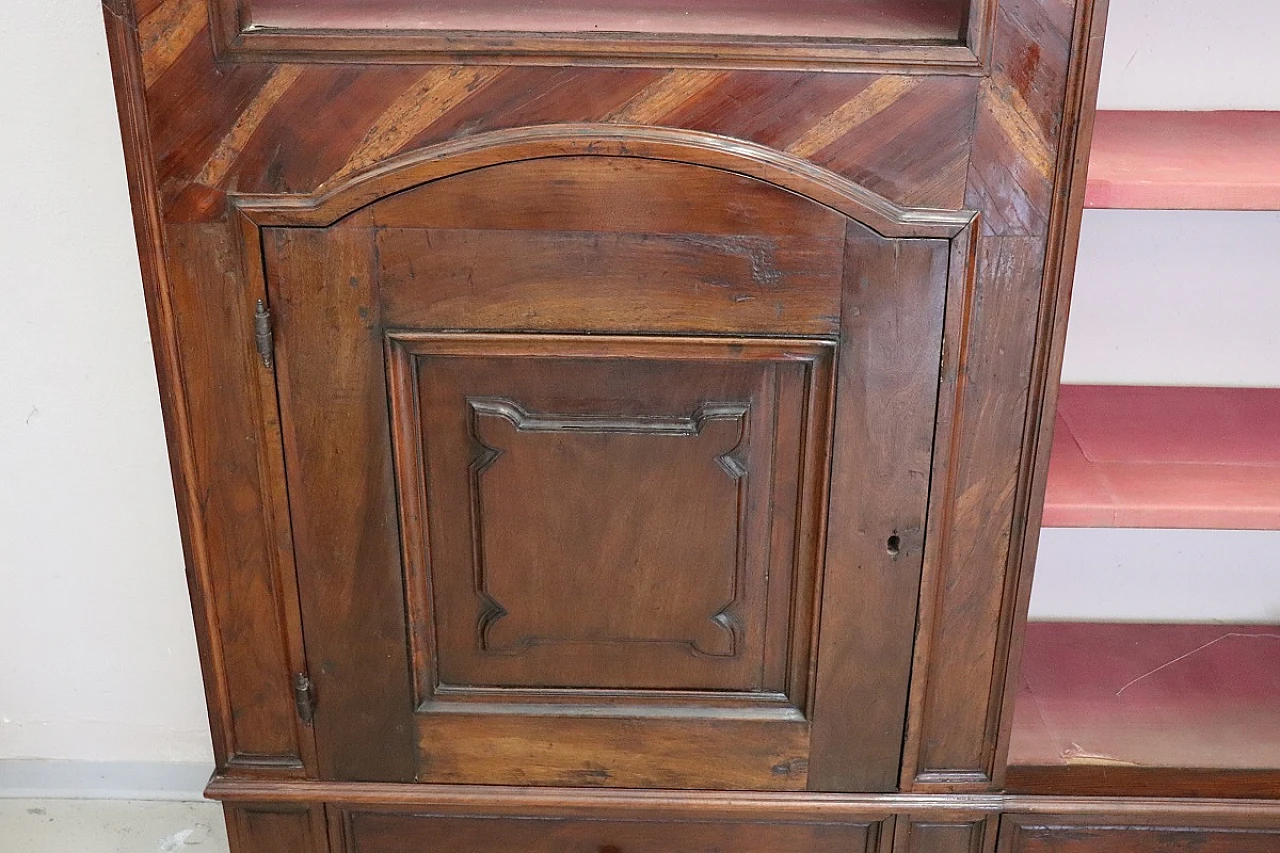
{"points": [[689, 594], [1049, 834], [391, 832], [1047, 363], [148, 221], [350, 192], [515, 406], [1086, 780], [458, 396], [277, 827], [236, 544], [758, 285], [903, 137], [600, 194], [616, 745], [928, 834], [342, 499], [1121, 825], [887, 392], [246, 538], [955, 743], [742, 227], [615, 803], [958, 735]]}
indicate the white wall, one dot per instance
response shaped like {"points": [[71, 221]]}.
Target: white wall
{"points": [[1119, 575], [1175, 297], [97, 657], [97, 650], [1191, 55]]}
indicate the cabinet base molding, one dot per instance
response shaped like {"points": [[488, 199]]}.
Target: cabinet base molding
{"points": [[604, 803], [327, 817]]}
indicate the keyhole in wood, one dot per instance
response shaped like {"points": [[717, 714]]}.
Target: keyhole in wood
{"points": [[893, 545]]}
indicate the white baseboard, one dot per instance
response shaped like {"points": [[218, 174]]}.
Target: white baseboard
{"points": [[103, 780]]}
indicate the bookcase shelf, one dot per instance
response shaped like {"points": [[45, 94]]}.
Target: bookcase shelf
{"points": [[1128, 456], [1185, 161], [1160, 709], [1156, 707]]}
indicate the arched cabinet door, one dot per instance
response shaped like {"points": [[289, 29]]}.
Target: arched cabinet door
{"points": [[607, 455]]}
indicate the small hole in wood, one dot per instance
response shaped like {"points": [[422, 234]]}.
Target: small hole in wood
{"points": [[893, 545]]}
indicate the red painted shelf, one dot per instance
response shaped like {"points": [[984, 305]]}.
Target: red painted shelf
{"points": [[1160, 700], [1185, 161], [1126, 456]]}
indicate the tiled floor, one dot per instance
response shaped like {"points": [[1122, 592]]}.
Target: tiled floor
{"points": [[110, 826]]}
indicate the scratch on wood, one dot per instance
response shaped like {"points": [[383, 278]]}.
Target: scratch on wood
{"points": [[1196, 651], [1076, 754], [757, 251]]}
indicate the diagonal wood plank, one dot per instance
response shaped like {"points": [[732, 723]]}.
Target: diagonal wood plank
{"points": [[167, 32], [872, 100], [656, 101], [434, 94], [247, 123]]}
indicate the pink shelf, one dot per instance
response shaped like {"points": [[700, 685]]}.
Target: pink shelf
{"points": [[1165, 457], [1148, 696], [1185, 161]]}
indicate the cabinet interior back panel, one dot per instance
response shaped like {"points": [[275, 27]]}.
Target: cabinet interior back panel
{"points": [[889, 20]]}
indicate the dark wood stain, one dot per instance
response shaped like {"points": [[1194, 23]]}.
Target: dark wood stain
{"points": [[598, 309]]}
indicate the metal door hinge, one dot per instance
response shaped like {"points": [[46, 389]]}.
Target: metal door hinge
{"points": [[262, 333], [304, 696]]}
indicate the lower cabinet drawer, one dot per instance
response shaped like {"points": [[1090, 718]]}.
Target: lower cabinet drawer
{"points": [[401, 832], [1050, 834]]}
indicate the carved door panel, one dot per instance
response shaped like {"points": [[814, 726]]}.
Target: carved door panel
{"points": [[607, 470]]}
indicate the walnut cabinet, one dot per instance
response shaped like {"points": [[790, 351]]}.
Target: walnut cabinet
{"points": [[617, 427]]}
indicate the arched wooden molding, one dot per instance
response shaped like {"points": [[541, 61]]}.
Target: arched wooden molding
{"points": [[332, 202]]}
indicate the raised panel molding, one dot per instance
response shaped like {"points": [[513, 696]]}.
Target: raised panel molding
{"points": [[277, 827], [392, 830], [957, 42], [1118, 833], [945, 834], [707, 591], [496, 428]]}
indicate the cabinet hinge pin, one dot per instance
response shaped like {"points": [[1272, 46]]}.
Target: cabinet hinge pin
{"points": [[262, 333], [304, 697]]}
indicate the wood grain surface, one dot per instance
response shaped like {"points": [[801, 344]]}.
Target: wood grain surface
{"points": [[913, 205]]}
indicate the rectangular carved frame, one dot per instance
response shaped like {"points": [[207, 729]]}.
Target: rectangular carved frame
{"points": [[803, 591], [236, 40]]}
